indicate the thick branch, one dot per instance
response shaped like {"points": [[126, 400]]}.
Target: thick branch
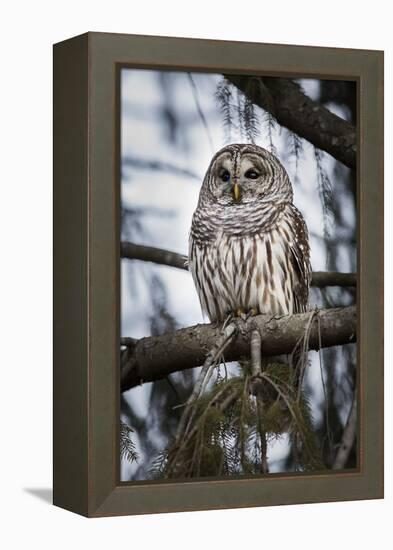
{"points": [[166, 257], [155, 357], [291, 108]]}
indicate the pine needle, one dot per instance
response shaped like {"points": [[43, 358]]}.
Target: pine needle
{"points": [[127, 446]]}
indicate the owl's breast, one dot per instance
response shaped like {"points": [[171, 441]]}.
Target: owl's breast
{"points": [[242, 272]]}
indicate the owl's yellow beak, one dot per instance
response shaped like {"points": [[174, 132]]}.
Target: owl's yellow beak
{"points": [[236, 191]]}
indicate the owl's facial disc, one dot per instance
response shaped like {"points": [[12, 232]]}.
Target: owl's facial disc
{"points": [[242, 174], [238, 177], [243, 177]]}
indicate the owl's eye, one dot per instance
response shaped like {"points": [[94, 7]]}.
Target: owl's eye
{"points": [[225, 175], [251, 174]]}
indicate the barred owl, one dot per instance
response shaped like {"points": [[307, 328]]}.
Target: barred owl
{"points": [[248, 247]]}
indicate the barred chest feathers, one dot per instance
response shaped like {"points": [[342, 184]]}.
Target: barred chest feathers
{"points": [[246, 272]]}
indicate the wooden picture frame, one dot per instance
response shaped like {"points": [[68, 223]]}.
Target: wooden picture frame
{"points": [[86, 273]]}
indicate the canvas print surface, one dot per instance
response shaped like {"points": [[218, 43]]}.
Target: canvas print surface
{"points": [[238, 261]]}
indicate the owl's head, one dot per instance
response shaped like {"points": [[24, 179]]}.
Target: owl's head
{"points": [[245, 173]]}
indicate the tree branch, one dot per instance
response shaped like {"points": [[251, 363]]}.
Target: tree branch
{"points": [[151, 254], [151, 164], [285, 100], [332, 278], [348, 437], [153, 358], [173, 259]]}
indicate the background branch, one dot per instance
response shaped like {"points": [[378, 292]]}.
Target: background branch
{"points": [[173, 259], [153, 164], [151, 254], [284, 99], [348, 437], [153, 358]]}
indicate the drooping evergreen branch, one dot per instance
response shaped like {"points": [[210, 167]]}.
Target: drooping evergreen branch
{"points": [[153, 358], [284, 99], [134, 251], [227, 334], [127, 446]]}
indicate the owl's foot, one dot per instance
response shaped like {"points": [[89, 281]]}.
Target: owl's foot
{"points": [[252, 312], [245, 316]]}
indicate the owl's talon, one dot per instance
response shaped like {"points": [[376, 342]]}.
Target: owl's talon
{"points": [[242, 314], [252, 312], [245, 316]]}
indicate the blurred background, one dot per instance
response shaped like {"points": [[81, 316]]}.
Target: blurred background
{"points": [[171, 125]]}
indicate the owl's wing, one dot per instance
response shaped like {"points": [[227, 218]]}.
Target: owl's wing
{"points": [[195, 266], [299, 260]]}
